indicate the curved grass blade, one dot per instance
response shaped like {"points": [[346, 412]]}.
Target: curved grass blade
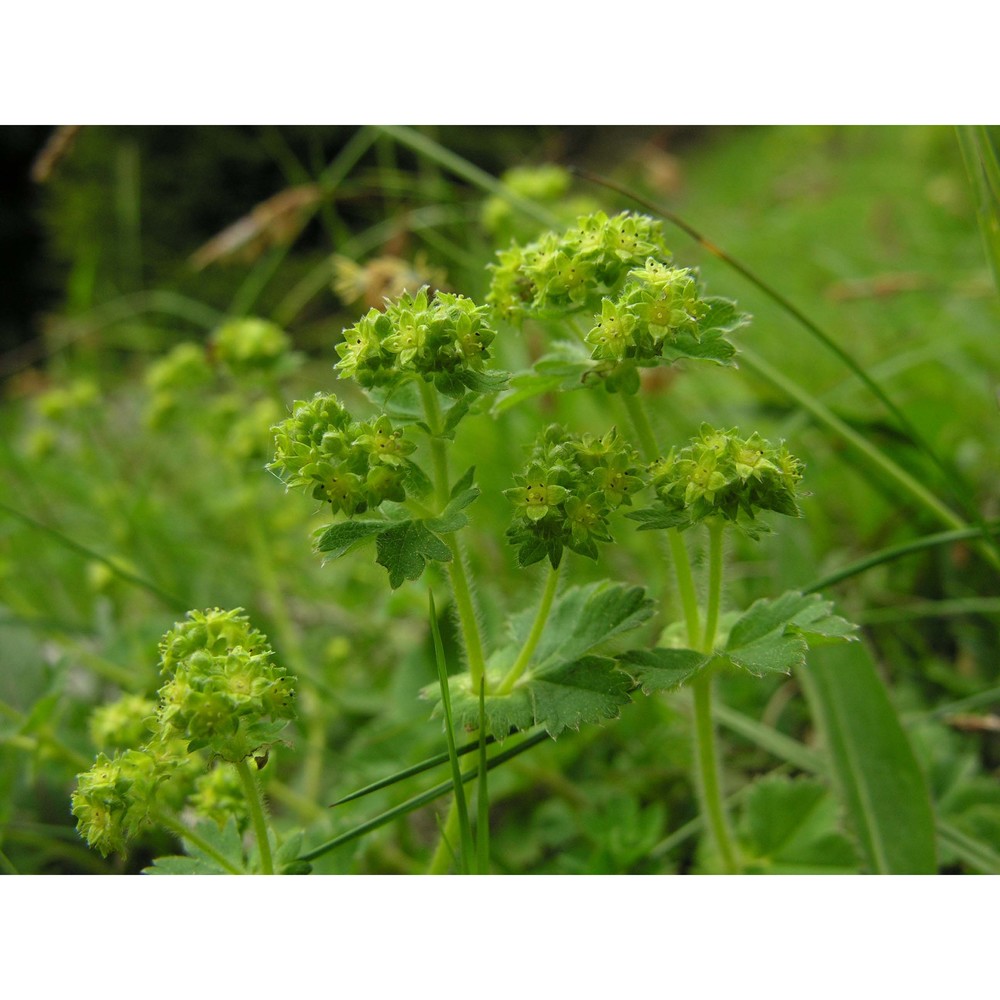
{"points": [[958, 487], [169, 599], [425, 765], [897, 552], [984, 175], [421, 800], [874, 766], [482, 793]]}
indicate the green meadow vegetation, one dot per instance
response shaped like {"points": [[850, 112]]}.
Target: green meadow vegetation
{"points": [[474, 503]]}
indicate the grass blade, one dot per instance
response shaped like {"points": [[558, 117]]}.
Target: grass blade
{"points": [[422, 799], [984, 175], [465, 829], [482, 795], [880, 782]]}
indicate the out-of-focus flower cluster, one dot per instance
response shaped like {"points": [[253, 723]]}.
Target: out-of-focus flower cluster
{"points": [[222, 692], [564, 273]]}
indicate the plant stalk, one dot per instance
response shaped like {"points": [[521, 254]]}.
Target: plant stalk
{"points": [[461, 590], [707, 773], [537, 629], [252, 792]]}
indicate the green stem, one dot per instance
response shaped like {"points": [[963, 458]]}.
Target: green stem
{"points": [[445, 851], [716, 527], [461, 590], [175, 826], [707, 773], [685, 585], [252, 792], [643, 428], [537, 628]]}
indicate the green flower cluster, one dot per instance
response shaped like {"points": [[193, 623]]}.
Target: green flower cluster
{"points": [[352, 465], [223, 689], [656, 305], [222, 692], [123, 723], [115, 797], [252, 346], [564, 273], [565, 496], [721, 474], [445, 341]]}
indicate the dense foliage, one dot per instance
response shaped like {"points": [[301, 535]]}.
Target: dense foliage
{"points": [[533, 542]]}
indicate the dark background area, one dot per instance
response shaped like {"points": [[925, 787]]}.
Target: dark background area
{"points": [[193, 181]]}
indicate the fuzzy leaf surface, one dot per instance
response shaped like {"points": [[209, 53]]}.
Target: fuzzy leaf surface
{"points": [[338, 539], [562, 695], [663, 669], [405, 548], [790, 826], [584, 618], [566, 684], [774, 634]]}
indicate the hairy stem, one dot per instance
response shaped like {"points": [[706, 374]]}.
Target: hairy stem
{"points": [[685, 585], [460, 587], [643, 428], [707, 773], [252, 792], [716, 527], [537, 628]]}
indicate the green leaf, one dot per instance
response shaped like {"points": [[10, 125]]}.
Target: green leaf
{"points": [[790, 827], [563, 695], [225, 844], [582, 619], [774, 634], [405, 548], [590, 689], [451, 518], [338, 539], [566, 685], [177, 864], [658, 518], [483, 381], [877, 774], [662, 669], [563, 369]]}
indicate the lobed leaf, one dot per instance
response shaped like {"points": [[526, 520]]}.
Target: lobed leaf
{"points": [[338, 539], [791, 827], [405, 548], [774, 634], [662, 669]]}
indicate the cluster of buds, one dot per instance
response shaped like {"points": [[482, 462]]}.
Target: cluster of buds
{"points": [[444, 340], [223, 689], [721, 474], [253, 347], [222, 692], [114, 799], [565, 496], [546, 184], [352, 465], [656, 305], [563, 273]]}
